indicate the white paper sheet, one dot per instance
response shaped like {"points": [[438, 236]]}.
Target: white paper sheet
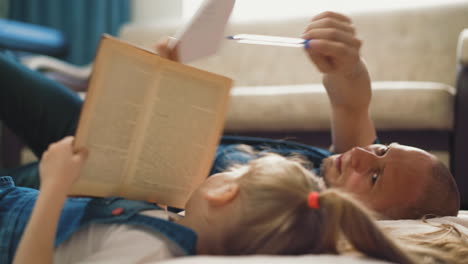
{"points": [[203, 35]]}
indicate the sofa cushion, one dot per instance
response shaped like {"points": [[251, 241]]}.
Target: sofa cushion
{"points": [[395, 105], [462, 49], [403, 44]]}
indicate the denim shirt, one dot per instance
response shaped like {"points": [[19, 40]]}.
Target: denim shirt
{"points": [[16, 204], [229, 154]]}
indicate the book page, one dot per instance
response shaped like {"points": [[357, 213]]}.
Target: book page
{"points": [[151, 126], [183, 128], [108, 124], [204, 33]]}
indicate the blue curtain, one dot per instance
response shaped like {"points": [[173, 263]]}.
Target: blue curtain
{"points": [[82, 21]]}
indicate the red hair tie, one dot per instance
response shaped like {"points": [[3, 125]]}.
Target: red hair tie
{"points": [[313, 200]]}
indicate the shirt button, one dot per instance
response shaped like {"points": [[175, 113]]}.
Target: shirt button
{"points": [[117, 211]]}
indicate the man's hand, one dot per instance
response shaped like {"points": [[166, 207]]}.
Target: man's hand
{"points": [[333, 46], [335, 50], [60, 166]]}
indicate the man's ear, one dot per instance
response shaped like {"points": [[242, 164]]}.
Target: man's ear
{"points": [[222, 194]]}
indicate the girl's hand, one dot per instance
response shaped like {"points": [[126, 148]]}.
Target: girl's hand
{"points": [[162, 48], [60, 165], [333, 46]]}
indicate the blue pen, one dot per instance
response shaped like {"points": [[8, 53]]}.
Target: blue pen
{"points": [[270, 40]]}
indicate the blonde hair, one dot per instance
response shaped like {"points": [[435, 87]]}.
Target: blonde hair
{"points": [[446, 244], [277, 220]]}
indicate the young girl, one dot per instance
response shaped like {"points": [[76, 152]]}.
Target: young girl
{"points": [[273, 205]]}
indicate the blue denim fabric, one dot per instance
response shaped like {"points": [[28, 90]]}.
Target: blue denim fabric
{"points": [[229, 154], [16, 204]]}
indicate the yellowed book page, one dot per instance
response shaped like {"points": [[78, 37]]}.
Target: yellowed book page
{"points": [[182, 131], [151, 126], [121, 80]]}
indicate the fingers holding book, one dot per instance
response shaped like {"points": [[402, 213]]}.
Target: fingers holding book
{"points": [[61, 165], [164, 49]]}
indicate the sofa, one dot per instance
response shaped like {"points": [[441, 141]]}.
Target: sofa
{"points": [[418, 61]]}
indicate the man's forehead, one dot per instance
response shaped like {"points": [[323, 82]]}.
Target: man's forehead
{"points": [[404, 170], [404, 177], [407, 163], [406, 154]]}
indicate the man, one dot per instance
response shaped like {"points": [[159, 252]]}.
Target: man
{"points": [[395, 180]]}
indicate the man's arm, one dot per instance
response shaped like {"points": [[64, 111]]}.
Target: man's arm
{"points": [[350, 122], [334, 49]]}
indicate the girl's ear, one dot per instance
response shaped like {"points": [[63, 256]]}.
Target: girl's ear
{"points": [[222, 194]]}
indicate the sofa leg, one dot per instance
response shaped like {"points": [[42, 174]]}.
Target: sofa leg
{"points": [[459, 151]]}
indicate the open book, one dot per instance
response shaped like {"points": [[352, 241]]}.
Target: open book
{"points": [[151, 125]]}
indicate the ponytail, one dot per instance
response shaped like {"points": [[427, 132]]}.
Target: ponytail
{"points": [[343, 215]]}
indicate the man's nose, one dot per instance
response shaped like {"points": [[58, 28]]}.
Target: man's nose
{"points": [[362, 159]]}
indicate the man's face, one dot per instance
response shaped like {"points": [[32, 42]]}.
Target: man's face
{"points": [[381, 176]]}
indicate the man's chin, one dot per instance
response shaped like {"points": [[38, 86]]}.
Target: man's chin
{"points": [[328, 172], [324, 172]]}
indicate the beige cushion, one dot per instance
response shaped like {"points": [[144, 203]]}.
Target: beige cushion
{"points": [[462, 49], [395, 105], [407, 44]]}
